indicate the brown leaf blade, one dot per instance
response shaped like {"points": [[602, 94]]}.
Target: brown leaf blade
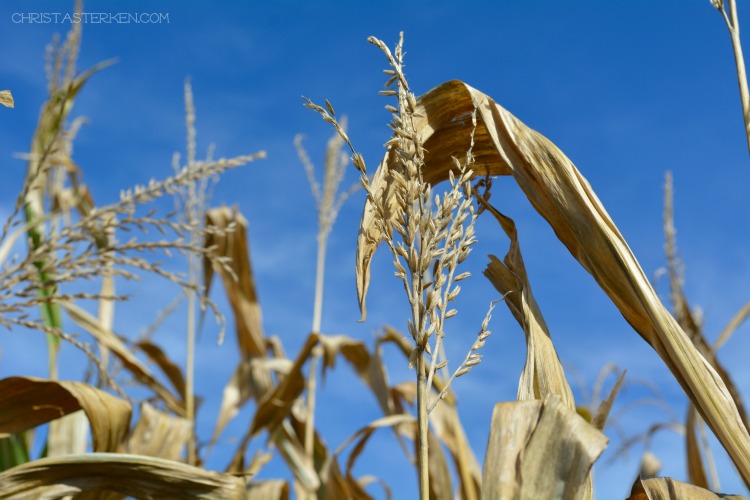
{"points": [[28, 402], [231, 242]]}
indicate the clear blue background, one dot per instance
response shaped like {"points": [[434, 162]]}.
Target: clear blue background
{"points": [[628, 90]]}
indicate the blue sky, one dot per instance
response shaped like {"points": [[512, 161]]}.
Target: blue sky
{"points": [[628, 90]]}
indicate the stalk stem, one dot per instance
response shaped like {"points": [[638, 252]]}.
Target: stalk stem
{"points": [[423, 426], [319, 278], [739, 60], [190, 362]]}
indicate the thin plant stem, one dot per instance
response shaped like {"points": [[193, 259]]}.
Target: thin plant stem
{"points": [[422, 428], [319, 279], [310, 420], [733, 25], [193, 206], [190, 361]]}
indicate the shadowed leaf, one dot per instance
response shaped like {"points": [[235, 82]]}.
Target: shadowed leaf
{"points": [[133, 475], [28, 402]]}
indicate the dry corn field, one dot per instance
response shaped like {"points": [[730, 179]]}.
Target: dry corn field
{"points": [[431, 301]]}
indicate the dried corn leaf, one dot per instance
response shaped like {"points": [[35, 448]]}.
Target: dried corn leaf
{"points": [[132, 475], [558, 191], [168, 367], [6, 99], [602, 413], [288, 439], [447, 424], [682, 311], [539, 449], [361, 438], [277, 404], [696, 470], [439, 473], [369, 368], [231, 242], [666, 488], [543, 373], [275, 489], [242, 386], [729, 330], [159, 434], [28, 402], [131, 363]]}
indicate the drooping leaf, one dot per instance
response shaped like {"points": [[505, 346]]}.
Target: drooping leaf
{"points": [[231, 242], [28, 402], [503, 145], [543, 373]]}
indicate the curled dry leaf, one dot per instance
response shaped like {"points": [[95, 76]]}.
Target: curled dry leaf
{"points": [[231, 242], [6, 99], [503, 145], [543, 373], [131, 475], [666, 488], [539, 449], [28, 402]]}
